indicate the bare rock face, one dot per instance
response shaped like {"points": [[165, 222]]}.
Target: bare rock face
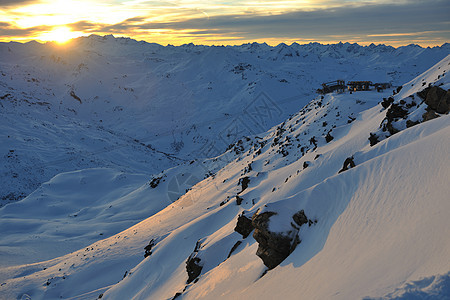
{"points": [[194, 265], [244, 226], [438, 99], [348, 164], [274, 247], [429, 115], [300, 218]]}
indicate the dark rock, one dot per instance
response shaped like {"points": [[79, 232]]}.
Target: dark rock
{"points": [[148, 248], [273, 247], [176, 295], [395, 112], [410, 123], [300, 218], [193, 264], [305, 165], [348, 164], [373, 139], [239, 200], [244, 226], [438, 100], [423, 93], [234, 248], [155, 182], [328, 137], [74, 96], [244, 181], [429, 115], [387, 102]]}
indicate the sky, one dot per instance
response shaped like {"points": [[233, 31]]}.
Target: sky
{"points": [[230, 22]]}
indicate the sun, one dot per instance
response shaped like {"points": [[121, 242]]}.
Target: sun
{"points": [[60, 35]]}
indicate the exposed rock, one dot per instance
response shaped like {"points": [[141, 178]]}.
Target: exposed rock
{"points": [[328, 137], [373, 139], [305, 165], [387, 102], [423, 93], [148, 248], [234, 248], [239, 200], [244, 226], [273, 247], [155, 182], [348, 164], [395, 112], [429, 115], [300, 218], [410, 123], [74, 96], [244, 181], [438, 100], [193, 264]]}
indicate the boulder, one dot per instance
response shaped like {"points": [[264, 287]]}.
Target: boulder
{"points": [[300, 218], [373, 139], [438, 100], [244, 226], [429, 115], [273, 247], [244, 181], [348, 164]]}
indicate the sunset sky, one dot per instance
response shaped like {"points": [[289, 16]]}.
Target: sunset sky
{"points": [[402, 22]]}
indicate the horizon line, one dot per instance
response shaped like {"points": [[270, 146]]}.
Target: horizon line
{"points": [[273, 45]]}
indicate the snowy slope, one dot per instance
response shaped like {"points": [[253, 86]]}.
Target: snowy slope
{"points": [[140, 107], [375, 233]]}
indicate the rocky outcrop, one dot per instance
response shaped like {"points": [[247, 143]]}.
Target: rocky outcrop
{"points": [[243, 182], [373, 139], [348, 164], [300, 218], [148, 248], [234, 248], [437, 99], [194, 265], [387, 102], [239, 200], [274, 247], [244, 226], [394, 113]]}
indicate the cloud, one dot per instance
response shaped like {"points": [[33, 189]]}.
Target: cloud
{"points": [[15, 2], [405, 21], [365, 21], [8, 29]]}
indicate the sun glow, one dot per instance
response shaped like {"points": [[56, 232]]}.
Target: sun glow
{"points": [[60, 35]]}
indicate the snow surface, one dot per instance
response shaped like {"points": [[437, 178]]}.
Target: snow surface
{"points": [[382, 228]]}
